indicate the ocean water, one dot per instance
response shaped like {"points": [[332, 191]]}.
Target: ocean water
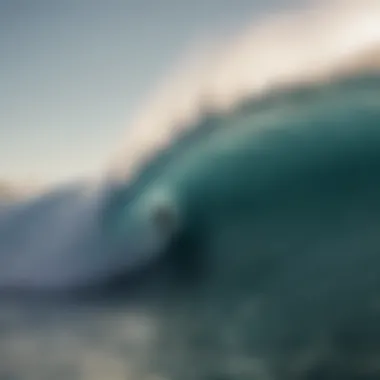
{"points": [[309, 311]]}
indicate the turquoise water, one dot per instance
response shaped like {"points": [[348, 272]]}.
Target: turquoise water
{"points": [[289, 290]]}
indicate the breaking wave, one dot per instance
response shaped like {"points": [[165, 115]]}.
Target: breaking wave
{"points": [[312, 45], [212, 332]]}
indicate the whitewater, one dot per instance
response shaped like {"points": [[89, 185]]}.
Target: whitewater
{"points": [[299, 84]]}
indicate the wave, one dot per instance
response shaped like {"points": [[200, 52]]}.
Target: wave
{"points": [[311, 45], [84, 233]]}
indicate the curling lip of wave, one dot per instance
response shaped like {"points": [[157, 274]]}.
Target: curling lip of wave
{"points": [[312, 45], [69, 218]]}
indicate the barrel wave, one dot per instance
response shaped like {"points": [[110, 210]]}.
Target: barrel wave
{"points": [[250, 229]]}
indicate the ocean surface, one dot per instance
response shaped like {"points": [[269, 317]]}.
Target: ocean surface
{"points": [[213, 322]]}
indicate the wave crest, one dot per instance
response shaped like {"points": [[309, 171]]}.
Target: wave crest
{"points": [[308, 46]]}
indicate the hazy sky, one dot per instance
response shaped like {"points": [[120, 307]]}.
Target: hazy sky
{"points": [[73, 71]]}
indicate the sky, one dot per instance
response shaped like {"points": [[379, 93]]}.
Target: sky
{"points": [[73, 73]]}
